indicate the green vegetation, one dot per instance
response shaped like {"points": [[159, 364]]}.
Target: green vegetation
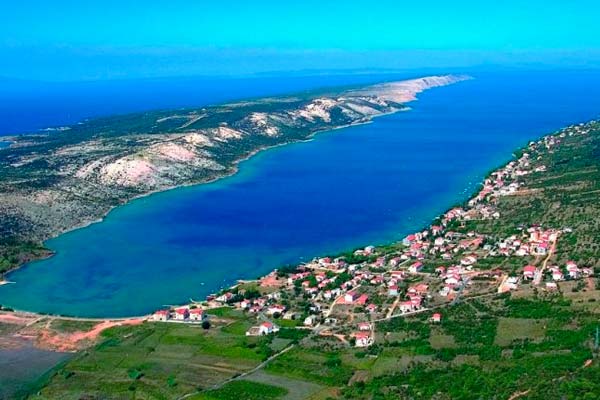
{"points": [[155, 360], [246, 390]]}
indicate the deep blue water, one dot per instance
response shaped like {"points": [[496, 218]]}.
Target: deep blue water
{"points": [[362, 185]]}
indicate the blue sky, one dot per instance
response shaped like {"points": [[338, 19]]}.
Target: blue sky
{"points": [[71, 40]]}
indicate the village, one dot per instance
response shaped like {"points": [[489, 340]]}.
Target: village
{"points": [[344, 296]]}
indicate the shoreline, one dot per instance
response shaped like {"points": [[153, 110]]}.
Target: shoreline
{"points": [[238, 281]]}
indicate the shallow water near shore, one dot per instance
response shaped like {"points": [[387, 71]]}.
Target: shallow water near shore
{"points": [[21, 366], [367, 184]]}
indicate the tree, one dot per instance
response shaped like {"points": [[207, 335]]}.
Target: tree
{"points": [[205, 325]]}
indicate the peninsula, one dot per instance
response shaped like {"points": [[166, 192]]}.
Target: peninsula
{"points": [[58, 180]]}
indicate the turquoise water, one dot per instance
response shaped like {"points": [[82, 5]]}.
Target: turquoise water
{"points": [[362, 185]]}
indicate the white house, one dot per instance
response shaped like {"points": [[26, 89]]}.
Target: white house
{"points": [[350, 297], [267, 328]]}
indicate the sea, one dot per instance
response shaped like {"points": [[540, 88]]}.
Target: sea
{"points": [[347, 188]]}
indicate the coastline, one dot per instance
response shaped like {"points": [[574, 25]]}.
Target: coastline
{"points": [[473, 195]]}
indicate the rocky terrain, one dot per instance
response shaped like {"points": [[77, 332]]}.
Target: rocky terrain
{"points": [[61, 179]]}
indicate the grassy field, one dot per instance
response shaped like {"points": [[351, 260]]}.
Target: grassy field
{"points": [[243, 389], [156, 360]]}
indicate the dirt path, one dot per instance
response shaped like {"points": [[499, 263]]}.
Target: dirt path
{"points": [[393, 307], [540, 274]]}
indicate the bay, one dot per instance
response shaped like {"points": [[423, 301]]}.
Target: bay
{"points": [[367, 184]]}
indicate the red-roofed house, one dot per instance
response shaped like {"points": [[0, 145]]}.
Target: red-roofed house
{"points": [[363, 339], [267, 328], [362, 299], [181, 314], [416, 267], [161, 315], [529, 271], [197, 314]]}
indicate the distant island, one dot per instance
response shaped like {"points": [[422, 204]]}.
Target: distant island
{"points": [[60, 179]]}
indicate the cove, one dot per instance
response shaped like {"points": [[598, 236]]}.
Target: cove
{"points": [[351, 187]]}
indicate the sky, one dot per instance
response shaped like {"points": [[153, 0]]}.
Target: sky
{"points": [[82, 40]]}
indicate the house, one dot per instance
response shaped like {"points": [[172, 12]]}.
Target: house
{"points": [[573, 271], [571, 264], [415, 267], [397, 275], [275, 308], [557, 275], [409, 239], [197, 314], [453, 280], [529, 271], [362, 300], [395, 261], [267, 328], [436, 317], [350, 297], [364, 326], [363, 339], [551, 286], [225, 297], [244, 304], [420, 288], [468, 260], [406, 306], [310, 320], [393, 290], [161, 315], [541, 249], [182, 314], [511, 283], [371, 308], [378, 280]]}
